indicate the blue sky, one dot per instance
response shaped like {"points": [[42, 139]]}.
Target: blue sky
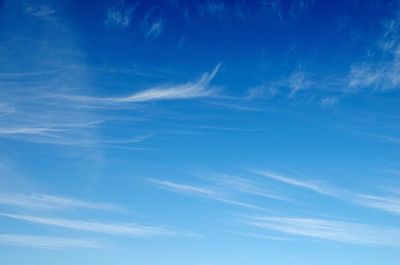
{"points": [[200, 132]]}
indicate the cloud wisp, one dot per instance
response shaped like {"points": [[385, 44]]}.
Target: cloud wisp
{"points": [[298, 81], [119, 16], [244, 186], [121, 229], [201, 192], [305, 184], [198, 89], [51, 202], [47, 242], [47, 131], [215, 9], [381, 69], [333, 230], [240, 10], [40, 11], [154, 29], [388, 203]]}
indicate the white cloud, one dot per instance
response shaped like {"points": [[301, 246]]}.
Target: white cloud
{"points": [[261, 92], [152, 26], [281, 11], [49, 132], [47, 242], [40, 11], [305, 184], [119, 16], [381, 69], [244, 186], [261, 236], [329, 101], [389, 204], [341, 231], [214, 8], [45, 201], [125, 229], [197, 89], [298, 81], [186, 189], [367, 75], [29, 130], [202, 192], [154, 30], [25, 112]]}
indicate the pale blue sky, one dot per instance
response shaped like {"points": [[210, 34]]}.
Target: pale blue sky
{"points": [[200, 132]]}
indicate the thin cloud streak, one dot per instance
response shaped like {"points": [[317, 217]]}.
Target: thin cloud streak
{"points": [[191, 90], [45, 242], [384, 203], [316, 187], [261, 236], [184, 188], [201, 192], [333, 230], [45, 201], [388, 203], [123, 229], [29, 130], [244, 186], [50, 132]]}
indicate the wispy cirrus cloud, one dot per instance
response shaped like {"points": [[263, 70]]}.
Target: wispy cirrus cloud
{"points": [[390, 202], [281, 11], [51, 202], [64, 134], [244, 186], [154, 29], [329, 101], [185, 188], [334, 230], [214, 8], [381, 69], [201, 192], [122, 229], [25, 78], [152, 26], [298, 81], [48, 132], [39, 10], [198, 89], [42, 104], [318, 187], [29, 130], [262, 91], [275, 9], [47, 242], [260, 236], [119, 16]]}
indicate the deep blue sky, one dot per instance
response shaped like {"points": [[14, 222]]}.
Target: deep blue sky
{"points": [[200, 132]]}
